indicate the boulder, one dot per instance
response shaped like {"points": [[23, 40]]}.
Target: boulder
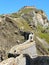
{"points": [[20, 60]]}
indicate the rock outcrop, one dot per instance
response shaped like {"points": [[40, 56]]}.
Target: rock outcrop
{"points": [[34, 16]]}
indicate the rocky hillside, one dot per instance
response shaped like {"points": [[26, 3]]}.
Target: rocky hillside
{"points": [[36, 19], [28, 19]]}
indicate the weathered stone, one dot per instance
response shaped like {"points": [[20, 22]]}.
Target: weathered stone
{"points": [[20, 60], [40, 20]]}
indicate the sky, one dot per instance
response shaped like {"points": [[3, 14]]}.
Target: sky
{"points": [[11, 6]]}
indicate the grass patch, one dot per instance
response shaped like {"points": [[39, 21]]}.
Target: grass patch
{"points": [[42, 35], [26, 10], [22, 23]]}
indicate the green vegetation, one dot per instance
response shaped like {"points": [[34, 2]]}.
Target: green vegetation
{"points": [[45, 36], [41, 34], [14, 15], [18, 14], [26, 10], [23, 24]]}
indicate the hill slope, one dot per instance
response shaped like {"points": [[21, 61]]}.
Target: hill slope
{"points": [[27, 19]]}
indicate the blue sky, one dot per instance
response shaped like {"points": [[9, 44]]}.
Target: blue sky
{"points": [[9, 6]]}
